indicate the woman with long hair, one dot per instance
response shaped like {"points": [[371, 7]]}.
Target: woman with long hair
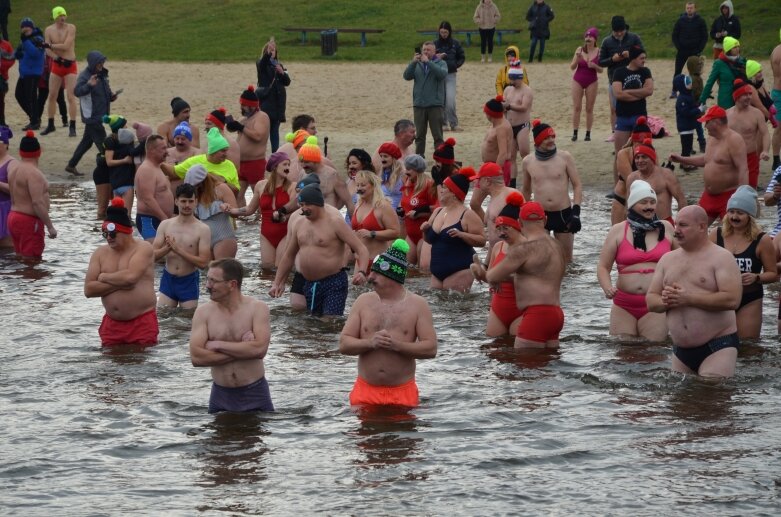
{"points": [[272, 81], [214, 199], [418, 200], [374, 220], [357, 160]]}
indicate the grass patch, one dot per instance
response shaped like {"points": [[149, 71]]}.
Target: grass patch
{"points": [[235, 30]]}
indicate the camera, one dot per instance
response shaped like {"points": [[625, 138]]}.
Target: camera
{"points": [[400, 211]]}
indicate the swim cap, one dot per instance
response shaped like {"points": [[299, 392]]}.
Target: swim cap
{"points": [[392, 263], [217, 142], [639, 190], [744, 199], [57, 12]]}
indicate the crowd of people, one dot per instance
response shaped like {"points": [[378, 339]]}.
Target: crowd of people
{"points": [[383, 212]]}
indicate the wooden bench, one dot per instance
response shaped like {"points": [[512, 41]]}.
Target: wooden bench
{"points": [[305, 30], [468, 33]]}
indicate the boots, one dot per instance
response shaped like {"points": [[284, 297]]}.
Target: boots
{"points": [[72, 128], [574, 135], [49, 128], [588, 136]]}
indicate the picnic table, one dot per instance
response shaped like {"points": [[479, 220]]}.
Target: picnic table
{"points": [[305, 30], [468, 33]]}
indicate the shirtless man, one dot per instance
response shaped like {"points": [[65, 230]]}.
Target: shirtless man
{"points": [[491, 184], [332, 185], [319, 243], [231, 334], [293, 142], [548, 173], [60, 45], [253, 130], [750, 123], [121, 273], [661, 179], [181, 113], [388, 329], [215, 161], [403, 137], [518, 99], [29, 201], [537, 267], [185, 242], [497, 148], [183, 147], [775, 64], [153, 190], [698, 285], [724, 163], [218, 118]]}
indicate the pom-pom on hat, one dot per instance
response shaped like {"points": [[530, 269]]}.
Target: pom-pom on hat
{"points": [[494, 108], [6, 134], [646, 148], [29, 147], [509, 215], [487, 170], [392, 263], [641, 131], [515, 72], [143, 131], [195, 174], [541, 131], [178, 105], [639, 190], [730, 43], [310, 152], [309, 179], [217, 117], [745, 199], [297, 138], [390, 149], [275, 159], [183, 129], [217, 142], [740, 88], [752, 68], [445, 153], [115, 122], [415, 162], [532, 211], [117, 218], [713, 112], [311, 195], [249, 97], [458, 183], [58, 11]]}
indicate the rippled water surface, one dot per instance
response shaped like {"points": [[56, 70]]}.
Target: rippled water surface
{"points": [[597, 427]]}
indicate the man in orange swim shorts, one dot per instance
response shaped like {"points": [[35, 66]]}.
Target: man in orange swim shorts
{"points": [[386, 357]]}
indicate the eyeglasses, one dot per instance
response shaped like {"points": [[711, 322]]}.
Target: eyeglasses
{"points": [[213, 281], [112, 234]]}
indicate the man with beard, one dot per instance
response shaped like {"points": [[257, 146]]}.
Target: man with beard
{"points": [[319, 243], [332, 185], [231, 334], [253, 130], [181, 113]]}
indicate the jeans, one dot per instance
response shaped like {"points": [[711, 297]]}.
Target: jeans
{"points": [[451, 119], [535, 39], [487, 40], [273, 135], [93, 134], [425, 118]]}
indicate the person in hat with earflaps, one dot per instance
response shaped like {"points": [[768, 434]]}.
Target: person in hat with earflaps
{"points": [[388, 329], [121, 273]]}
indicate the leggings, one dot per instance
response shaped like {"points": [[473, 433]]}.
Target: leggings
{"points": [[487, 40]]}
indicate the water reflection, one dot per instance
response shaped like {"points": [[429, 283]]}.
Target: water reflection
{"points": [[503, 350], [233, 450], [383, 436]]}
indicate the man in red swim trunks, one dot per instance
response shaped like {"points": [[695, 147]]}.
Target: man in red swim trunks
{"points": [[538, 264], [60, 44], [121, 272], [724, 163], [750, 123], [253, 130], [29, 201], [388, 329]]}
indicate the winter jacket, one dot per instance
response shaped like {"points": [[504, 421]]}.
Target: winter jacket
{"points": [[687, 109], [30, 54], [428, 90], [95, 100], [690, 35], [539, 17], [7, 59], [610, 46], [694, 65], [731, 24], [486, 15], [502, 80], [455, 52], [725, 74], [275, 102]]}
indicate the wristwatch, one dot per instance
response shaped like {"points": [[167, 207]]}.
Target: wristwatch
{"points": [[373, 234]]}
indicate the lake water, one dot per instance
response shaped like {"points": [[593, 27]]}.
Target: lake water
{"points": [[597, 427]]}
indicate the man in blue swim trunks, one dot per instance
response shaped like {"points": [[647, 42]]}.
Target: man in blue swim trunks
{"points": [[231, 334], [185, 242], [318, 239], [153, 190], [699, 287]]}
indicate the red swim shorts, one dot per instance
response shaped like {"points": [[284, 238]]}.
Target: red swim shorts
{"points": [[715, 205], [753, 169], [365, 394], [252, 171], [541, 323], [62, 71], [141, 330], [27, 233]]}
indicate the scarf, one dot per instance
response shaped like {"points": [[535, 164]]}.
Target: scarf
{"points": [[640, 225], [544, 155]]}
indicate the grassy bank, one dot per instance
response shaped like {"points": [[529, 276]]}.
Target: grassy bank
{"points": [[235, 30]]}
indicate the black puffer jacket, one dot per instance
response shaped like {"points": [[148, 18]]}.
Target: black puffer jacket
{"points": [[690, 35]]}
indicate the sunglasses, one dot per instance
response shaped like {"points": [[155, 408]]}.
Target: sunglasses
{"points": [[112, 234]]}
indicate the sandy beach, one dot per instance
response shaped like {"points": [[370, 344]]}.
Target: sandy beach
{"points": [[356, 105]]}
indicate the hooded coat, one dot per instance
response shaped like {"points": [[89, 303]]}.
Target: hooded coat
{"points": [[539, 17], [729, 23], [454, 52], [724, 72], [686, 107], [95, 101], [502, 79]]}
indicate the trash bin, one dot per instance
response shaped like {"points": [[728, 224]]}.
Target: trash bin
{"points": [[328, 42]]}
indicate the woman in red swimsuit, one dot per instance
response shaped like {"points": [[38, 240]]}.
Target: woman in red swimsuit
{"points": [[269, 195], [418, 200], [635, 246], [373, 219]]}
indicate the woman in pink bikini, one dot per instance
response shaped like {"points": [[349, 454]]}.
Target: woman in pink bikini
{"points": [[635, 246], [585, 62]]}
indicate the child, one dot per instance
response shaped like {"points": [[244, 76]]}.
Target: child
{"points": [[510, 61], [122, 171], [694, 65], [686, 113]]}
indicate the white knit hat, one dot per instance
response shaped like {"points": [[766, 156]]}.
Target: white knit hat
{"points": [[638, 191]]}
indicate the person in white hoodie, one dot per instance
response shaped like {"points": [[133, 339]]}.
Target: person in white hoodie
{"points": [[486, 17]]}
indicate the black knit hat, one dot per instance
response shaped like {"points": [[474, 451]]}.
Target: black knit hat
{"points": [[178, 105], [117, 218], [309, 179], [249, 97], [541, 131], [458, 183], [392, 263], [445, 153], [311, 195], [494, 107], [217, 117], [29, 147]]}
